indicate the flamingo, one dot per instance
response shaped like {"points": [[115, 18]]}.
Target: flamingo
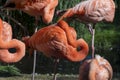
{"points": [[36, 8], [58, 41], [7, 42], [91, 12], [96, 69]]}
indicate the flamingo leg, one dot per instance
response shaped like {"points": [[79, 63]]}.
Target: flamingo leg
{"points": [[93, 38], [35, 52], [89, 26], [55, 67], [34, 65], [92, 31]]}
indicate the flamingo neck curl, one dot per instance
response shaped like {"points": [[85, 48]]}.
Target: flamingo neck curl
{"points": [[6, 42], [58, 41]]}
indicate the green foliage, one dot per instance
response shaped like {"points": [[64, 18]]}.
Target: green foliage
{"points": [[68, 4], [9, 71], [49, 77]]}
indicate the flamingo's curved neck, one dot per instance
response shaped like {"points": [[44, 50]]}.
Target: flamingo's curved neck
{"points": [[14, 43], [74, 55]]}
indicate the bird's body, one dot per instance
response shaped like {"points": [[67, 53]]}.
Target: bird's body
{"points": [[91, 12], [53, 42], [6, 42], [96, 69], [36, 8]]}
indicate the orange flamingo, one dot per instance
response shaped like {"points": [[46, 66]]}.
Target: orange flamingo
{"points": [[44, 8], [57, 42], [96, 69], [90, 12], [36, 8], [7, 42]]}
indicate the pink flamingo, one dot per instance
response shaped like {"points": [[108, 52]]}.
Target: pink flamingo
{"points": [[58, 41], [36, 8], [7, 42], [91, 12], [96, 69]]}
